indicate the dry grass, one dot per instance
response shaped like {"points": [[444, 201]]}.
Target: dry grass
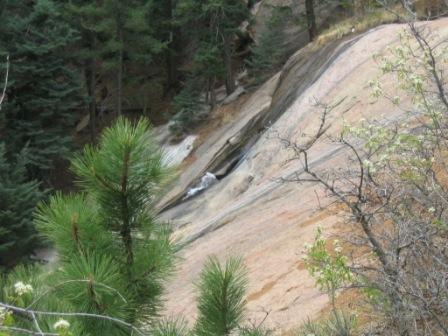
{"points": [[356, 25]]}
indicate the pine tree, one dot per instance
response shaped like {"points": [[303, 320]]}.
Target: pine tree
{"points": [[106, 235], [225, 17], [190, 109], [171, 327], [216, 22], [114, 256], [221, 297], [221, 305], [162, 18], [269, 52], [84, 16], [43, 88], [18, 197], [129, 41]]}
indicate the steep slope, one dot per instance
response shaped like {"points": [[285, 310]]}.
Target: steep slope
{"points": [[252, 213]]}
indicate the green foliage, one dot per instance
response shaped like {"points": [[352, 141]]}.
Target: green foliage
{"points": [[114, 257], [18, 197], [190, 109], [225, 15], [338, 324], [171, 327], [121, 174], [213, 23], [269, 53], [74, 225], [43, 89], [28, 276], [208, 62], [220, 304], [330, 270], [221, 294], [254, 331], [99, 288], [127, 27], [84, 16], [121, 43], [127, 42], [31, 287]]}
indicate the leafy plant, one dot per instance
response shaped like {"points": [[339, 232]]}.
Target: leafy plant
{"points": [[330, 270]]}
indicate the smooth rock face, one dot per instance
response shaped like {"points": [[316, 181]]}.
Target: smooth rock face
{"points": [[215, 146], [175, 154], [251, 212]]}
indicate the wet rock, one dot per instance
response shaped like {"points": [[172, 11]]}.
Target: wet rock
{"points": [[206, 181]]}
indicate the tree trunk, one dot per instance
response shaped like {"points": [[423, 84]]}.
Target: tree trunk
{"points": [[212, 93], [120, 74], [310, 19], [92, 103], [90, 77], [207, 91], [171, 51], [230, 82]]}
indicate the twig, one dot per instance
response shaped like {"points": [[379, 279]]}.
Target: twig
{"points": [[26, 331], [32, 313], [36, 324]]}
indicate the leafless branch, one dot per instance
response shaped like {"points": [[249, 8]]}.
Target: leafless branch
{"points": [[33, 313]]}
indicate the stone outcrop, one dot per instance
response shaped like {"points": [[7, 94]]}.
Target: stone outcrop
{"points": [[250, 211]]}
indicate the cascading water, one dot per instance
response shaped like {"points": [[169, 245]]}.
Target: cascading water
{"points": [[206, 181]]}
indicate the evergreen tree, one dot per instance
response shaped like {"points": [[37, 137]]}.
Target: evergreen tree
{"points": [[106, 235], [221, 297], [18, 197], [225, 16], [129, 41], [221, 304], [84, 16], [43, 88], [162, 17], [189, 106], [269, 53], [171, 327], [216, 22]]}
